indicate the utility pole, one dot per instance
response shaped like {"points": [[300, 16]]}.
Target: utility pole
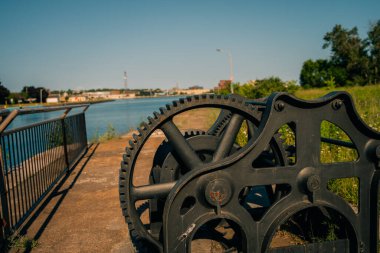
{"points": [[125, 81], [41, 96], [231, 67]]}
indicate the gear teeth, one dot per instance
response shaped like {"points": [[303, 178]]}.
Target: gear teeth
{"points": [[150, 120], [125, 157], [141, 132], [128, 152], [163, 110], [156, 115], [135, 137], [144, 125], [123, 164], [131, 144]]}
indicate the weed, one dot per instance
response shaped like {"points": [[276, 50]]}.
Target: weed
{"points": [[109, 134], [95, 137], [346, 188], [242, 136], [22, 243]]}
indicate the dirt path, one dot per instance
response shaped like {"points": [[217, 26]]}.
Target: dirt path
{"points": [[83, 213]]}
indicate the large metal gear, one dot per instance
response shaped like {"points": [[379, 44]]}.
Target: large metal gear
{"points": [[204, 185], [168, 166]]}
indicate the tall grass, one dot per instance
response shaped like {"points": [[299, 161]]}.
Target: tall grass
{"points": [[367, 103], [109, 134], [366, 100]]}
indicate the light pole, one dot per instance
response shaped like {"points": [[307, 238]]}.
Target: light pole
{"points": [[231, 68]]}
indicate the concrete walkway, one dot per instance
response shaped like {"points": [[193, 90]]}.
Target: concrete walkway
{"points": [[83, 213]]}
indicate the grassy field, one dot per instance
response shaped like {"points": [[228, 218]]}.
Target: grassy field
{"points": [[367, 103], [366, 99]]}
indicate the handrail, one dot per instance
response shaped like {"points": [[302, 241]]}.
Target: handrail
{"points": [[4, 112], [12, 114], [34, 157]]}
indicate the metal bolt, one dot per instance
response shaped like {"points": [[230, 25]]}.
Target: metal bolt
{"points": [[279, 106], [218, 192], [377, 152], [313, 183], [337, 104]]}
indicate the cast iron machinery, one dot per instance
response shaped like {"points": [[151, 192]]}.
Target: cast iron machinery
{"points": [[206, 185]]}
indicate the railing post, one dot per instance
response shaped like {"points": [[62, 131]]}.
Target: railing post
{"points": [[64, 133], [4, 219], [65, 143], [85, 129]]}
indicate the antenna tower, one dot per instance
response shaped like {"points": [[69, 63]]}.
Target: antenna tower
{"points": [[125, 81]]}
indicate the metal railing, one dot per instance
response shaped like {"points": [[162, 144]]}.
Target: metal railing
{"points": [[34, 157]]}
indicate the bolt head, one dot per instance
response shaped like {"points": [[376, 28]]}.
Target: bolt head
{"points": [[337, 104], [313, 183], [279, 106], [218, 192], [377, 152]]}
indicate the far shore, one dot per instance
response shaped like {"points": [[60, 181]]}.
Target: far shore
{"points": [[22, 105]]}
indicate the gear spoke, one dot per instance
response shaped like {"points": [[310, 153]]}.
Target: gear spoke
{"points": [[251, 130], [182, 149], [152, 191], [228, 137]]}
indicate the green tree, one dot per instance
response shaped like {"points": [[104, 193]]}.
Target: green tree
{"points": [[314, 73], [348, 51], [263, 87], [16, 97], [4, 93], [374, 48], [267, 86], [321, 73], [33, 92]]}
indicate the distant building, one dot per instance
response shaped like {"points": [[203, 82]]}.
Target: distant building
{"points": [[130, 94], [115, 92], [196, 87], [96, 94], [52, 99], [31, 100], [224, 84], [77, 98], [189, 91]]}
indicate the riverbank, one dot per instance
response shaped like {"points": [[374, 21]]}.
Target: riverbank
{"points": [[21, 106]]}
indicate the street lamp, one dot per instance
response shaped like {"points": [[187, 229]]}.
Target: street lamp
{"points": [[231, 67]]}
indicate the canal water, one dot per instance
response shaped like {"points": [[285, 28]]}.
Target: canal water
{"points": [[121, 115]]}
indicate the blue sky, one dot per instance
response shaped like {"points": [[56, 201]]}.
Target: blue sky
{"points": [[82, 44]]}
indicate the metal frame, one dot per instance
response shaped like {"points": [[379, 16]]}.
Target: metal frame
{"points": [[34, 157], [214, 187]]}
